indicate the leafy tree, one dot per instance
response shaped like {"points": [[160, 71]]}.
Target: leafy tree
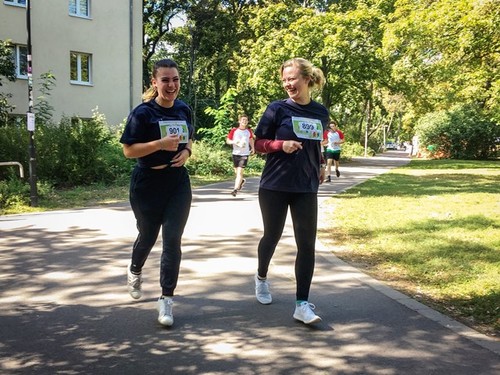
{"points": [[345, 45], [262, 54], [458, 64], [385, 64], [43, 109], [224, 117], [157, 19], [203, 48], [7, 66], [7, 70]]}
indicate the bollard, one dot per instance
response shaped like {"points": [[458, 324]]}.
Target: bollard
{"points": [[21, 169]]}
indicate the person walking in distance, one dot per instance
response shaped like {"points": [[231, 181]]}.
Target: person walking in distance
{"points": [[158, 133], [242, 140], [333, 139], [290, 132]]}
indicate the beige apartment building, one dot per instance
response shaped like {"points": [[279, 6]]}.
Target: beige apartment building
{"points": [[92, 47]]}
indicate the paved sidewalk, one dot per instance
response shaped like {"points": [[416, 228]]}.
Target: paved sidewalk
{"points": [[64, 308]]}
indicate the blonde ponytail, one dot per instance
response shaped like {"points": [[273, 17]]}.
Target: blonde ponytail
{"points": [[317, 78]]}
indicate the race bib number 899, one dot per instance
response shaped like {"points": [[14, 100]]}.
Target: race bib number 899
{"points": [[307, 128], [179, 128]]}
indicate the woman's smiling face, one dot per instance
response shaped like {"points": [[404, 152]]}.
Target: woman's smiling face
{"points": [[167, 83], [296, 86]]}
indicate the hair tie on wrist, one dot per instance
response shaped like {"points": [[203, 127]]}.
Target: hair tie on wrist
{"points": [[188, 150]]}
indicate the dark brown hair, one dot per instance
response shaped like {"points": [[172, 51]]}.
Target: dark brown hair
{"points": [[164, 63]]}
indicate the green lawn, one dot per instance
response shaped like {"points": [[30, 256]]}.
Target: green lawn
{"points": [[430, 229]]}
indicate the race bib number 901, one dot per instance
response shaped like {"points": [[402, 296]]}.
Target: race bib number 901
{"points": [[179, 128], [307, 128]]}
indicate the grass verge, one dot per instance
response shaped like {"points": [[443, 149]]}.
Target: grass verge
{"points": [[430, 229], [92, 195]]}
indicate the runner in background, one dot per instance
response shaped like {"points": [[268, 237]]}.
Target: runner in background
{"points": [[332, 139], [242, 140]]}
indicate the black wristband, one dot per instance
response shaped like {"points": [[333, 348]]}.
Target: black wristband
{"points": [[188, 150]]}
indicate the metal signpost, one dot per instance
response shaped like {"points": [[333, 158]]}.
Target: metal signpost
{"points": [[30, 116]]}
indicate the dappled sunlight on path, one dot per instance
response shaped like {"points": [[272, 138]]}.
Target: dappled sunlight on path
{"points": [[64, 307]]}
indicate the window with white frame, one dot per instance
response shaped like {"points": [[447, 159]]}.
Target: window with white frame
{"points": [[15, 2], [81, 68], [21, 60], [79, 8]]}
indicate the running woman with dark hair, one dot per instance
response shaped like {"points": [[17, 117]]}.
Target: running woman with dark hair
{"points": [[159, 133]]}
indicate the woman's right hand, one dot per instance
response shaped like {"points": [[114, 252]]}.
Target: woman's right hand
{"points": [[291, 146], [169, 143]]}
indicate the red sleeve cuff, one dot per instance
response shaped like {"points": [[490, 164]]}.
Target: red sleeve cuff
{"points": [[266, 146]]}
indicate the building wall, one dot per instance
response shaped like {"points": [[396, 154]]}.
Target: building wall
{"points": [[116, 85]]}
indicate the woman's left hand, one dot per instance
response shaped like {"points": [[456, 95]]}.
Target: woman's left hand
{"points": [[180, 158]]}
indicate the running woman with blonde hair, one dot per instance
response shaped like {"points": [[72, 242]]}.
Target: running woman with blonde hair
{"points": [[290, 132]]}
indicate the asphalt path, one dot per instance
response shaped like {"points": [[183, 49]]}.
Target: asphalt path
{"points": [[64, 307]]}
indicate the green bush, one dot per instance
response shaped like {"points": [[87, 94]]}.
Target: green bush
{"points": [[461, 133], [216, 160], [14, 145], [349, 150], [80, 152], [73, 152], [209, 160], [118, 167], [14, 192], [256, 164]]}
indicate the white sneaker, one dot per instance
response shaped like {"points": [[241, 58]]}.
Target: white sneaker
{"points": [[262, 291], [134, 284], [304, 312], [165, 315]]}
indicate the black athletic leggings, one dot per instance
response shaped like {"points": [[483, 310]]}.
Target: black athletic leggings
{"points": [[160, 199], [304, 210]]}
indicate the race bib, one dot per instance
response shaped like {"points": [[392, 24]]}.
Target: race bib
{"points": [[307, 128], [179, 128]]}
